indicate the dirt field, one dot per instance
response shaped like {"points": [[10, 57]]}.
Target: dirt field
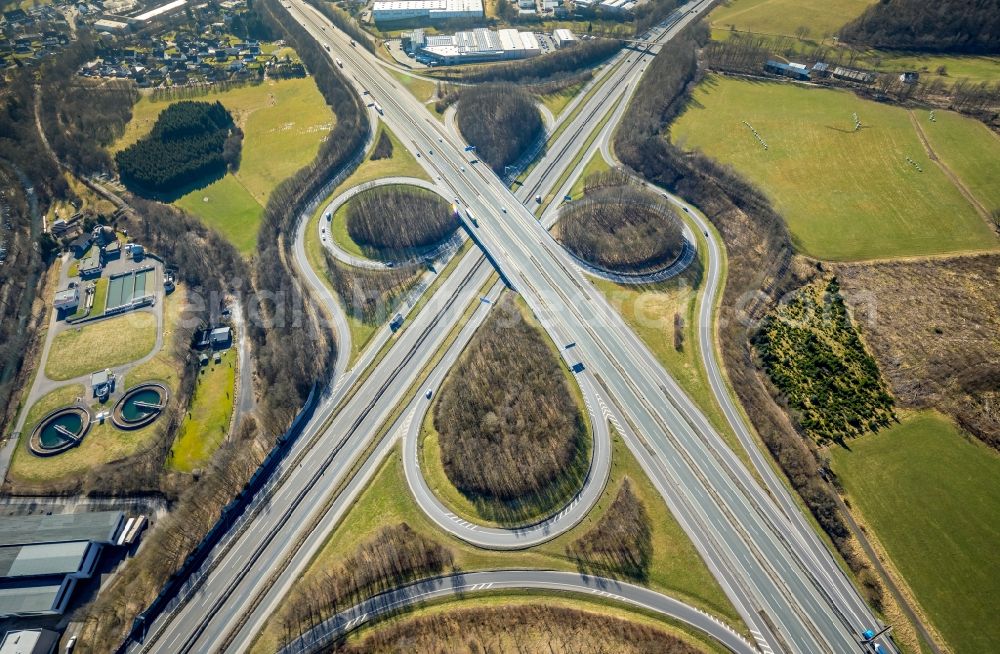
{"points": [[934, 327]]}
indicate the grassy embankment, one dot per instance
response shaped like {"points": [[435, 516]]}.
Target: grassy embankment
{"points": [[400, 164], [846, 195], [105, 344], [675, 567], [284, 122], [528, 621], [207, 420], [928, 493]]}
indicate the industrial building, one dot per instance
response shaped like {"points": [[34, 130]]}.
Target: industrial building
{"points": [[387, 11], [477, 45], [43, 556], [29, 641]]}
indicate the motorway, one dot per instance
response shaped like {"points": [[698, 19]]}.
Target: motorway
{"points": [[746, 539], [744, 535]]}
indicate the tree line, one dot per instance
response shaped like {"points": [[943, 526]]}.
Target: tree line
{"points": [[942, 26], [501, 120], [754, 233], [523, 627], [622, 228], [508, 424], [745, 53], [189, 142], [371, 296], [394, 555], [396, 220], [82, 117]]}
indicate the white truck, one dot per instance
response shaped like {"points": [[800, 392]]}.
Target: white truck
{"points": [[472, 219]]}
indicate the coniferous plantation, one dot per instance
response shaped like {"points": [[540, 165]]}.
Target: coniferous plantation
{"points": [[501, 120], [619, 226], [811, 350], [508, 424], [966, 26], [190, 142], [394, 220]]}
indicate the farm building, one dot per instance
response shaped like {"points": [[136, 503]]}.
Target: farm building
{"points": [[852, 75], [792, 70], [43, 556], [387, 11]]}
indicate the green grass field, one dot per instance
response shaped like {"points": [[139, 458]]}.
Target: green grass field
{"points": [[597, 164], [846, 195], [283, 122], [675, 568], [979, 167], [784, 17], [207, 420], [931, 495], [105, 344]]}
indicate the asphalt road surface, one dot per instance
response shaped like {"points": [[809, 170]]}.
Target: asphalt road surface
{"points": [[778, 583]]}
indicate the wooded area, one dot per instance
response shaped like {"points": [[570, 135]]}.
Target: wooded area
{"points": [[508, 424], [966, 26], [396, 221], [371, 296], [621, 227], [189, 144], [501, 120], [393, 556], [523, 628], [620, 546]]}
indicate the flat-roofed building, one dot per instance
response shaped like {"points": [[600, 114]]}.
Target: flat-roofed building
{"points": [[29, 641], [42, 558], [480, 45], [387, 11]]}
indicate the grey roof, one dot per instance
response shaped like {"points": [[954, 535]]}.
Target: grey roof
{"points": [[28, 595], [99, 378], [29, 641], [99, 526], [42, 559]]}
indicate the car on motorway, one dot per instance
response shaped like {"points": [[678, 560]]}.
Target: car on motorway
{"points": [[429, 393], [463, 168], [503, 209]]}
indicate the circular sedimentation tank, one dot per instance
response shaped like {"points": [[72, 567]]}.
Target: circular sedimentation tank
{"points": [[139, 406], [59, 431]]}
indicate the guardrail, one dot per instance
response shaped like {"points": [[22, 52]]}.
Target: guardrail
{"points": [[231, 521]]}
